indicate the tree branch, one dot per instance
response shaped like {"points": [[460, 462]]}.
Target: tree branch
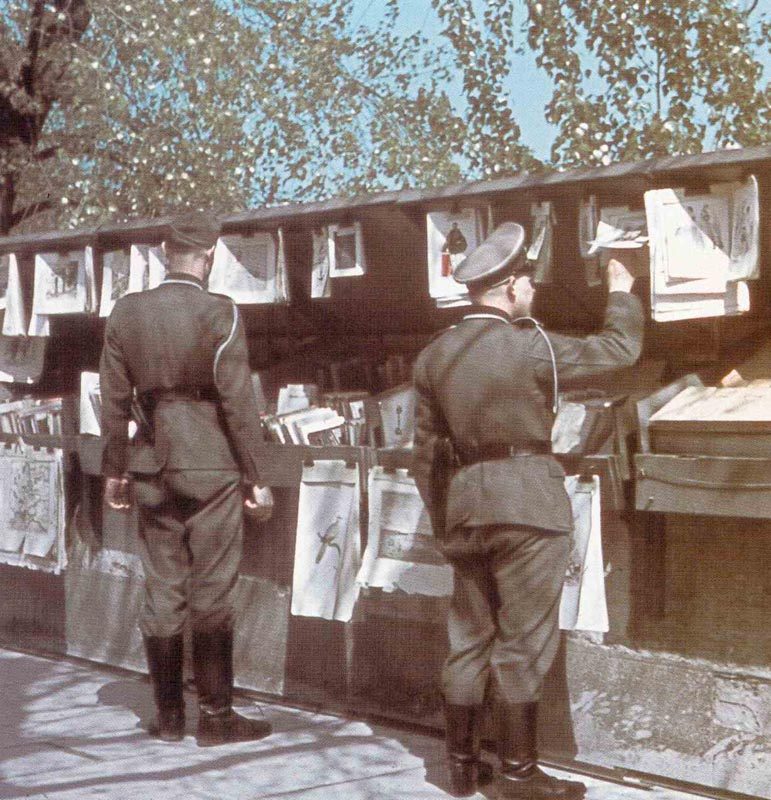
{"points": [[30, 211], [44, 155]]}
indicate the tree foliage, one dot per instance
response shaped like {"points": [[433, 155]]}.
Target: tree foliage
{"points": [[225, 104], [650, 77], [127, 108]]}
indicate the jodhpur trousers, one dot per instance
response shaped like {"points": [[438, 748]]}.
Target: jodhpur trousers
{"points": [[504, 617], [191, 534]]}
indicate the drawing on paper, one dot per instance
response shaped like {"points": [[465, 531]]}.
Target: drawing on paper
{"points": [[320, 267], [118, 263], [451, 236], [29, 500], [63, 278], [5, 267], [416, 545], [697, 226], [327, 540]]}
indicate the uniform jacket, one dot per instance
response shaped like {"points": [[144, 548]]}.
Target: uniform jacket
{"points": [[487, 382], [179, 337]]}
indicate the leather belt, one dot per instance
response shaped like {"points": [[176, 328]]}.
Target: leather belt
{"points": [[495, 452], [196, 393]]}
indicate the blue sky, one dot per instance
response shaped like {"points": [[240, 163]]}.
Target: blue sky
{"points": [[529, 86]]}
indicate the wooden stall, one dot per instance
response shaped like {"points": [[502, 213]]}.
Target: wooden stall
{"points": [[680, 687]]}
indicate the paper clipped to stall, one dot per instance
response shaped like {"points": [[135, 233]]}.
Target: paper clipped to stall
{"points": [[583, 605], [451, 236], [15, 319], [401, 550], [327, 547], [248, 268]]}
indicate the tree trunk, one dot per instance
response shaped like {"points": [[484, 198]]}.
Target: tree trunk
{"points": [[7, 200]]}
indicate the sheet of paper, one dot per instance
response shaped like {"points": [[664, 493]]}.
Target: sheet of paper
{"points": [[540, 250], [60, 283], [15, 318], [116, 269], [30, 502], [401, 552], [245, 268], [282, 280], [588, 217], [583, 604], [451, 236], [5, 266], [327, 546], [346, 251], [90, 404], [147, 267], [320, 285], [745, 231], [115, 279]]}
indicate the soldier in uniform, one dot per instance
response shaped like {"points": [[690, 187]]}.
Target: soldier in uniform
{"points": [[485, 394], [181, 353]]}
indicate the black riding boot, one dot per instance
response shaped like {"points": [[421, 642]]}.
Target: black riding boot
{"points": [[520, 778], [164, 658], [213, 670], [463, 737]]}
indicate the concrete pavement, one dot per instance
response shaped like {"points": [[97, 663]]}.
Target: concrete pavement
{"points": [[71, 730]]}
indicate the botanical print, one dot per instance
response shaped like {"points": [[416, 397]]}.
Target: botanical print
{"points": [[147, 267], [587, 224], [31, 507]]}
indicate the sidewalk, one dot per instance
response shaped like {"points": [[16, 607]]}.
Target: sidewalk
{"points": [[71, 731]]}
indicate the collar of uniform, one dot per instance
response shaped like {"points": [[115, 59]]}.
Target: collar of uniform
{"points": [[486, 312], [183, 277]]}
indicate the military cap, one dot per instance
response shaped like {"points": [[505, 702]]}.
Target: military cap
{"points": [[191, 229], [495, 259]]}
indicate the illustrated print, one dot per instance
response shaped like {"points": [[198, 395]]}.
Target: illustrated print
{"points": [[29, 498], [455, 245], [5, 265], [119, 265], [327, 540], [64, 277]]}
